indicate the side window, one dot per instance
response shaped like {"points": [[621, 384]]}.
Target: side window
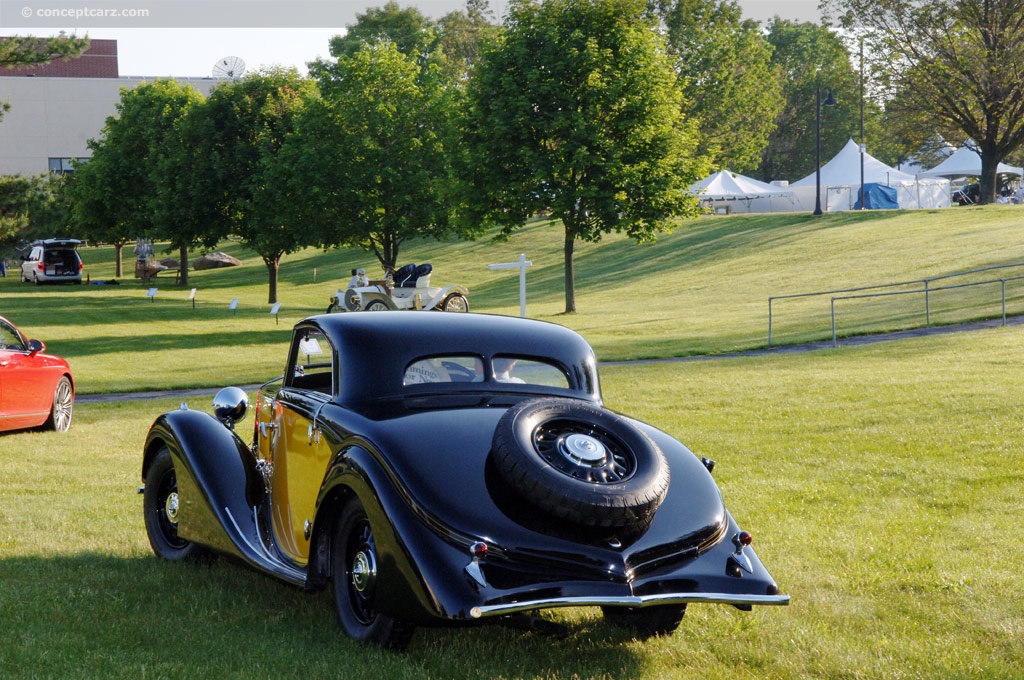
{"points": [[312, 362], [444, 369], [513, 369], [9, 339]]}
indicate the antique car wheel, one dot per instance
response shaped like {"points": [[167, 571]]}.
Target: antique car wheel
{"points": [[333, 307], [580, 463], [456, 302], [63, 405], [354, 564], [376, 306], [160, 508], [646, 622]]}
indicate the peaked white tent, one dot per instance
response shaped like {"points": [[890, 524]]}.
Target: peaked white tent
{"points": [[965, 162], [840, 183], [746, 193], [844, 170]]}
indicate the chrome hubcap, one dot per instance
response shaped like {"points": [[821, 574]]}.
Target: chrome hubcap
{"points": [[364, 571], [583, 449], [171, 507]]}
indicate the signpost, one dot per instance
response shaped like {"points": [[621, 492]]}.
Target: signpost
{"points": [[274, 310], [151, 294], [522, 264]]}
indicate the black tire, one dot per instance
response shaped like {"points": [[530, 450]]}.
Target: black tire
{"points": [[333, 307], [160, 507], [648, 621], [354, 564], [580, 463], [63, 406], [376, 306], [455, 302]]}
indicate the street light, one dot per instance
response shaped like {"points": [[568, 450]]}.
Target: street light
{"points": [[829, 101]]}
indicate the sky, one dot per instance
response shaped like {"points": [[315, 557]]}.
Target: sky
{"points": [[190, 46]]}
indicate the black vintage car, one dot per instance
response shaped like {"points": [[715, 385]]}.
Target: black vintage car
{"points": [[445, 468]]}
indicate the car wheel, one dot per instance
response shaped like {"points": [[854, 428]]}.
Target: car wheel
{"points": [[376, 306], [354, 564], [648, 621], [456, 302], [580, 463], [63, 405], [333, 307], [160, 508]]}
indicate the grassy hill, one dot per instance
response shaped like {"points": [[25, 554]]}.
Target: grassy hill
{"points": [[701, 290]]}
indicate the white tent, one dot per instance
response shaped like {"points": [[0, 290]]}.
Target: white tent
{"points": [[965, 162], [840, 183], [746, 193], [844, 170]]}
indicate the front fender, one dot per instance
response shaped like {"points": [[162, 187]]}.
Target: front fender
{"points": [[219, 488]]}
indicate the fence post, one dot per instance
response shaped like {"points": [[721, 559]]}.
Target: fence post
{"points": [[1002, 294], [834, 343], [927, 307], [769, 321]]}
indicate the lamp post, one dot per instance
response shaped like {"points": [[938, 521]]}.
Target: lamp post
{"points": [[829, 101]]}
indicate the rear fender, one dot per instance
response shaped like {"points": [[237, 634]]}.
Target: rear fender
{"points": [[221, 492], [403, 543]]}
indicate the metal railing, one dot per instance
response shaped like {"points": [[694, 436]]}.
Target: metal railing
{"points": [[923, 287]]}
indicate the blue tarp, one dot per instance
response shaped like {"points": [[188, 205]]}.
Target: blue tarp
{"points": [[878, 197]]}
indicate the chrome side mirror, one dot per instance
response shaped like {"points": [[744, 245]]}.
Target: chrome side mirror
{"points": [[230, 405]]}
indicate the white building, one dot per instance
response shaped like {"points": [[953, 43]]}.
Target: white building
{"points": [[56, 108]]}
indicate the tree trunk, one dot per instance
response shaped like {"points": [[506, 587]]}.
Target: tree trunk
{"points": [[273, 263], [183, 266], [570, 273], [988, 183], [118, 267]]}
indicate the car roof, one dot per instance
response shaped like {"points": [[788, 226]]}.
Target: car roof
{"points": [[73, 242], [374, 348]]}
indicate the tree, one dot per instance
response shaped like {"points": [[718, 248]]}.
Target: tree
{"points": [[18, 51], [245, 124], [388, 126], [958, 62], [729, 82], [120, 194], [810, 57], [576, 111]]}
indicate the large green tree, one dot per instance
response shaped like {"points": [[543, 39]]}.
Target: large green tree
{"points": [[576, 111], [731, 86], [811, 58], [372, 157], [244, 124], [120, 193], [957, 63]]}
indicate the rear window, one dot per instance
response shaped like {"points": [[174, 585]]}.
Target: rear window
{"points": [[508, 369]]}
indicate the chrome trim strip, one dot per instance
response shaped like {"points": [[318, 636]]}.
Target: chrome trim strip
{"points": [[635, 601]]}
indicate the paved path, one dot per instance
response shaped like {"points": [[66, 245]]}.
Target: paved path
{"points": [[208, 392]]}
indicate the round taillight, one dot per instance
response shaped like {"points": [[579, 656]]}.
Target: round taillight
{"points": [[478, 550], [746, 538]]}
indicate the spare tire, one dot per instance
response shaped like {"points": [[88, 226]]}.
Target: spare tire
{"points": [[580, 463]]}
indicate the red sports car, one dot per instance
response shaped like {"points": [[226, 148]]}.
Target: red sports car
{"points": [[35, 388]]}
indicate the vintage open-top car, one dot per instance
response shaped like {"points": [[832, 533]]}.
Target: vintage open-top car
{"points": [[436, 468], [405, 288]]}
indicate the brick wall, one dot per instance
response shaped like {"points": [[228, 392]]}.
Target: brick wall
{"points": [[99, 61]]}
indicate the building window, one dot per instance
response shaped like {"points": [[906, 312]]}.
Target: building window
{"points": [[63, 166]]}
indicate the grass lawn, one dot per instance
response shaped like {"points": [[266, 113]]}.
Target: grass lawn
{"points": [[882, 482], [701, 290]]}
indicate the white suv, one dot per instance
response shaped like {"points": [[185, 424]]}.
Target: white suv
{"points": [[54, 260]]}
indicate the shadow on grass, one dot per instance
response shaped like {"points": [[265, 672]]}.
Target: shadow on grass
{"points": [[93, 615]]}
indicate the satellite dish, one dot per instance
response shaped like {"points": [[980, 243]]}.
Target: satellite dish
{"points": [[229, 67]]}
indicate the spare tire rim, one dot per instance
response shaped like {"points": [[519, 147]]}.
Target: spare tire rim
{"points": [[591, 456]]}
